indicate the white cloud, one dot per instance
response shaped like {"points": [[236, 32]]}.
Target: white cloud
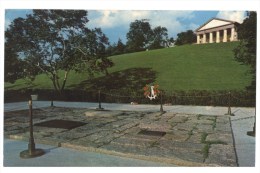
{"points": [[193, 26], [171, 20], [114, 18], [108, 19], [237, 16]]}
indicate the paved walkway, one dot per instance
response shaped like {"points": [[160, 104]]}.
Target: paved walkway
{"points": [[241, 123], [74, 158]]}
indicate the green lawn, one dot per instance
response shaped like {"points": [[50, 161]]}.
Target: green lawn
{"points": [[191, 67], [188, 67]]}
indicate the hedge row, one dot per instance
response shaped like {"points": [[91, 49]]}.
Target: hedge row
{"points": [[206, 98]]}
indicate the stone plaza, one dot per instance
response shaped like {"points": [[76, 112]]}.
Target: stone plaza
{"points": [[174, 138]]}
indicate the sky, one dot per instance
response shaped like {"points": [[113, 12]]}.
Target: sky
{"points": [[115, 23]]}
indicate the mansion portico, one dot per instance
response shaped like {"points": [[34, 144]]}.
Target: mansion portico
{"points": [[217, 30]]}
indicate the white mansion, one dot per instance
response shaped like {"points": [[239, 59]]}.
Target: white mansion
{"points": [[217, 30]]}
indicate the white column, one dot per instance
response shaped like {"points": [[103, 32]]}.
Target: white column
{"points": [[232, 34], [204, 38], [211, 37], [217, 37], [225, 36], [198, 39]]}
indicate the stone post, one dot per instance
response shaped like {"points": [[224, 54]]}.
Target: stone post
{"points": [[217, 37]]}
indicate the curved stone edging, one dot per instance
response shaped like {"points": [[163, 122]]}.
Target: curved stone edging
{"points": [[176, 161]]}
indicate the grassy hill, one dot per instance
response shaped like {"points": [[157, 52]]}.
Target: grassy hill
{"points": [[188, 67]]}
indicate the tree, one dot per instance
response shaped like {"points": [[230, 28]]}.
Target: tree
{"points": [[139, 35], [187, 37], [13, 67], [116, 48], [170, 42], [120, 47], [111, 49], [159, 38], [55, 42], [245, 52]]}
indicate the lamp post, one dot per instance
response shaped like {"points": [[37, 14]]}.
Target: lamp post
{"points": [[99, 102], [31, 152], [52, 95], [229, 105], [161, 108]]}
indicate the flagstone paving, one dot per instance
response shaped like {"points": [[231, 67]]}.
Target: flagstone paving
{"points": [[181, 139]]}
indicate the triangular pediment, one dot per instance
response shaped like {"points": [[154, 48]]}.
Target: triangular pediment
{"points": [[213, 23]]}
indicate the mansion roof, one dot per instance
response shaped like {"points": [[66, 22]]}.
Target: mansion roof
{"points": [[215, 23]]}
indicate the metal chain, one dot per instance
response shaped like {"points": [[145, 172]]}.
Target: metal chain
{"points": [[116, 95], [39, 108], [217, 95], [245, 100]]}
